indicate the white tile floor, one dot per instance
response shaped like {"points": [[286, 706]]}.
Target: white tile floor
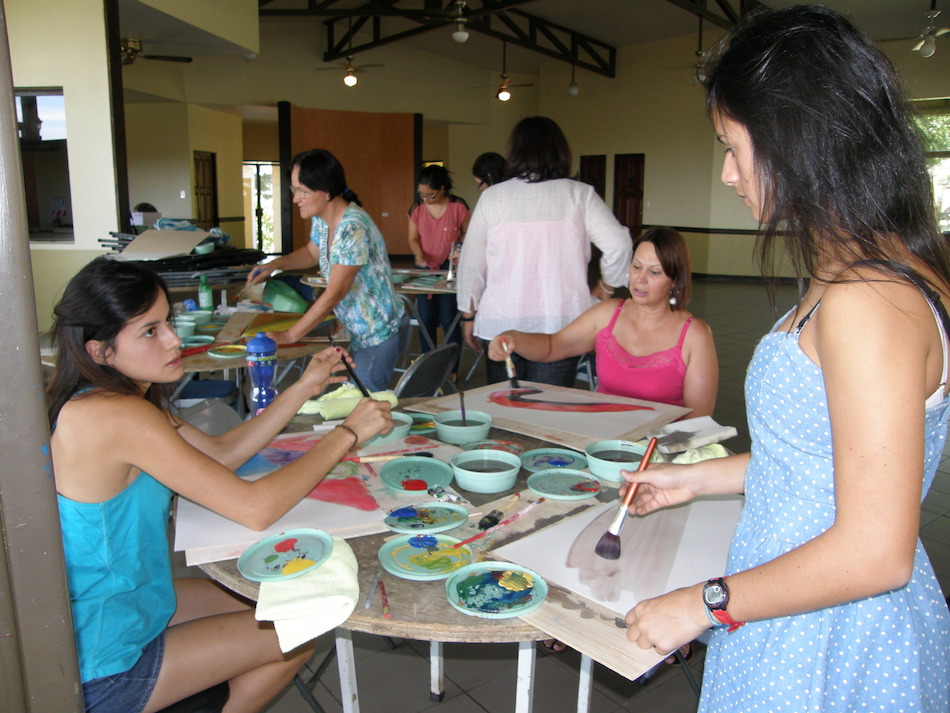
{"points": [[481, 677]]}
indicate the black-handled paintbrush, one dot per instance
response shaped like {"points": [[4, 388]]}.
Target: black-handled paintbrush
{"points": [[352, 373], [608, 546]]}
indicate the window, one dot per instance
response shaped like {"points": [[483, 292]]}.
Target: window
{"points": [[935, 122], [261, 205], [41, 123]]}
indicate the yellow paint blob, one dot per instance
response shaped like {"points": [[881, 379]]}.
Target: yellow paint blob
{"points": [[296, 565]]}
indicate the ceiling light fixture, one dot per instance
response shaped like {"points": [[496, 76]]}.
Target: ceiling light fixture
{"points": [[349, 78], [461, 33], [503, 94], [927, 42], [572, 88]]}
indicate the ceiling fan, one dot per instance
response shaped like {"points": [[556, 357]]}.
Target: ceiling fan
{"points": [[349, 70], [130, 50], [700, 55], [503, 90], [927, 42]]}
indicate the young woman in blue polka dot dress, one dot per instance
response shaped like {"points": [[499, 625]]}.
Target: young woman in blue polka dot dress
{"points": [[828, 602]]}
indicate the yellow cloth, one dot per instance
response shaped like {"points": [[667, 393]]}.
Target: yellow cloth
{"points": [[694, 455], [341, 402], [304, 607]]}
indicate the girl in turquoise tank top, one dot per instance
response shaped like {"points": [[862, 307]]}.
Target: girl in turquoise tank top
{"points": [[144, 640], [828, 601]]}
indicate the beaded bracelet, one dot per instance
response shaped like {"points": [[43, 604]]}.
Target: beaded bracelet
{"points": [[356, 438]]}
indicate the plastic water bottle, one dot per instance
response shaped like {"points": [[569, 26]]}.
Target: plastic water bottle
{"points": [[205, 298], [261, 363]]}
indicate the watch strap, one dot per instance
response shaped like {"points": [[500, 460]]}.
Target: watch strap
{"points": [[725, 619]]}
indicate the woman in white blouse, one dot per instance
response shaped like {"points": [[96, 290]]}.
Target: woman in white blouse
{"points": [[524, 262]]}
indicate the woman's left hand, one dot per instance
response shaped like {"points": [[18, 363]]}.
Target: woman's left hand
{"points": [[667, 622], [320, 371]]}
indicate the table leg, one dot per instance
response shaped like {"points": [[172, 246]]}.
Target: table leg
{"points": [[585, 682], [414, 311], [347, 662], [436, 672], [524, 692]]}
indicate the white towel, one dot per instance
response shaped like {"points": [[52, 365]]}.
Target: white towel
{"points": [[304, 607]]}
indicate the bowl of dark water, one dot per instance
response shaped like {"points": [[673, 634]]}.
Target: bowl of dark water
{"points": [[486, 470], [606, 459], [449, 427]]}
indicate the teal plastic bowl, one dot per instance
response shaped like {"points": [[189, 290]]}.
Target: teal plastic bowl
{"points": [[200, 316], [614, 457], [401, 424], [478, 424], [485, 470]]}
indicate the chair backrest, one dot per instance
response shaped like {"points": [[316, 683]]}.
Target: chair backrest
{"points": [[429, 372]]}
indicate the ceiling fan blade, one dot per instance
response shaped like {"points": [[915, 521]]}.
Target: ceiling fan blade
{"points": [[916, 47], [166, 58], [942, 31], [361, 67]]}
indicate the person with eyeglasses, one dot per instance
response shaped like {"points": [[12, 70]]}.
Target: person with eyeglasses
{"points": [[437, 222], [488, 169], [352, 255]]}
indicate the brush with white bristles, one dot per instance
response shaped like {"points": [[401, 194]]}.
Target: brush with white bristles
{"points": [[608, 546]]}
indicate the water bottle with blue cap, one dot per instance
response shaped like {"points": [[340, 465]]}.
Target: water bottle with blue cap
{"points": [[261, 364]]}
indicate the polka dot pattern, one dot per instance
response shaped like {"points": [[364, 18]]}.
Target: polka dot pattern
{"points": [[890, 652]]}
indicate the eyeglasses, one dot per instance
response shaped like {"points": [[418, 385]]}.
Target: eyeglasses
{"points": [[429, 196], [300, 190]]}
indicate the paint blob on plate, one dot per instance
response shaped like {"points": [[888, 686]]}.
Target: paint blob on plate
{"points": [[423, 558], [414, 474], [422, 423], [285, 555], [547, 458], [228, 351], [495, 590], [426, 518], [564, 484]]}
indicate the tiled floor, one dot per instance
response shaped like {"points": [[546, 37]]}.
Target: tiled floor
{"points": [[481, 677]]}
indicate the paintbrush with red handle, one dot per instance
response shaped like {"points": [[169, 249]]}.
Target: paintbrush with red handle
{"points": [[608, 546]]}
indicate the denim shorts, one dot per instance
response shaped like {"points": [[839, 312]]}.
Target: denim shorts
{"points": [[127, 692]]}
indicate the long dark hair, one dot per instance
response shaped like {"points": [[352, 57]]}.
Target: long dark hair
{"points": [[674, 259], [96, 305], [321, 171], [837, 154], [538, 150]]}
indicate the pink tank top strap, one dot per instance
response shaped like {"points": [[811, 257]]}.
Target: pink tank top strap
{"points": [[613, 320], [679, 344]]}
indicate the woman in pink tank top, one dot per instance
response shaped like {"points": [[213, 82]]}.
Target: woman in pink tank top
{"points": [[648, 346]]}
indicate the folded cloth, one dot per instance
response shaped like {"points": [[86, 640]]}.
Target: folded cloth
{"points": [[304, 607], [340, 402], [694, 455]]}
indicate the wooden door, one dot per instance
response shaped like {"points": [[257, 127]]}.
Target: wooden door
{"points": [[206, 190], [628, 191], [594, 172]]}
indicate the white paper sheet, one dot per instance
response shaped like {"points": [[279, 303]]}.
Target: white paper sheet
{"points": [[668, 549]]}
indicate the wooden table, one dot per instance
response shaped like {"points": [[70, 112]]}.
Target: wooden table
{"points": [[421, 611]]}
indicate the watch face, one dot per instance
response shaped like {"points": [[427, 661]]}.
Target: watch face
{"points": [[714, 595]]}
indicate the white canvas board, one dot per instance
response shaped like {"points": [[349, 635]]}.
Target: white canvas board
{"points": [[570, 417], [668, 549]]}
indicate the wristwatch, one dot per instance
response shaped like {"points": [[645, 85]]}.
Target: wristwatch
{"points": [[716, 598]]}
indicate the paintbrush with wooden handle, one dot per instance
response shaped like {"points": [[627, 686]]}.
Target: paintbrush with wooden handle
{"points": [[509, 365], [608, 546]]}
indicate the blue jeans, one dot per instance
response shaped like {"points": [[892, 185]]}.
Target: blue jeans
{"points": [[556, 373], [433, 311], [126, 692], [375, 365]]}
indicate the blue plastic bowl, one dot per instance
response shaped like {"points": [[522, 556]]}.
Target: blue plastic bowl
{"points": [[478, 424], [468, 475]]}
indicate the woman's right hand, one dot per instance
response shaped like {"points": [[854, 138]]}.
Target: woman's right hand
{"points": [[259, 272], [661, 485], [369, 418], [496, 352]]}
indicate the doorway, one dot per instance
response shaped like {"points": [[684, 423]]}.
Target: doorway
{"points": [[628, 191], [261, 204], [206, 190], [594, 172]]}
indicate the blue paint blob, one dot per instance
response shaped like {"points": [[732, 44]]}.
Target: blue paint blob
{"points": [[404, 512], [423, 541]]}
